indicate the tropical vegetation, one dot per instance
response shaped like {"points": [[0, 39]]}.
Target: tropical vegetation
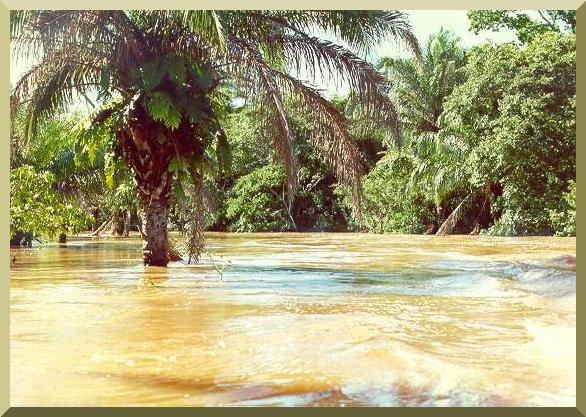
{"points": [[152, 121]]}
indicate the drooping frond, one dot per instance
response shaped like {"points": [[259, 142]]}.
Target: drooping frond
{"points": [[48, 88], [196, 224], [330, 131], [362, 30], [208, 24], [369, 87]]}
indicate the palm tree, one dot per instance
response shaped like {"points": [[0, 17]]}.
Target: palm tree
{"points": [[422, 86], [420, 90], [166, 70]]}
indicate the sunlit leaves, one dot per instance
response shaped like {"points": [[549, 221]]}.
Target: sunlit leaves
{"points": [[389, 205], [563, 218], [257, 201], [516, 111], [526, 27], [37, 208]]}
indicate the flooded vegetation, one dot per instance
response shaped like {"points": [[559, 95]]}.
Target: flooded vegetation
{"points": [[298, 319], [380, 207]]}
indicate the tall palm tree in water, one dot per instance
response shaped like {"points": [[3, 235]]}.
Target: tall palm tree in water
{"points": [[158, 77]]}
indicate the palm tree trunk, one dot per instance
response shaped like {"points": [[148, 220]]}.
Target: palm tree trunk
{"points": [[156, 239], [148, 149], [195, 238]]}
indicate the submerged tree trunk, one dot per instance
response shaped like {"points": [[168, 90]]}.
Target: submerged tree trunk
{"points": [[127, 224], [96, 215], [440, 215], [23, 239], [103, 227], [156, 238], [141, 223]]}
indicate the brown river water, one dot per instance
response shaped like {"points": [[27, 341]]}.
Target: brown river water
{"points": [[298, 319]]}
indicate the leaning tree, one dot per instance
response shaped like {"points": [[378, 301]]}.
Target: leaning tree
{"points": [[158, 78]]}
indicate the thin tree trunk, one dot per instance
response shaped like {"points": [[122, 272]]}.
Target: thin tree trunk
{"points": [[447, 226], [62, 238], [103, 227], [141, 223], [96, 214], [439, 210], [288, 202], [127, 218]]}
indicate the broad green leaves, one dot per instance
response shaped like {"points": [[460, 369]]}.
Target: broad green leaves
{"points": [[172, 89]]}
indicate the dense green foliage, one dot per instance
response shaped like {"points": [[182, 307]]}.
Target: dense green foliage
{"points": [[490, 140], [563, 218], [516, 113], [525, 26], [258, 201], [487, 145], [37, 208], [257, 195], [389, 205]]}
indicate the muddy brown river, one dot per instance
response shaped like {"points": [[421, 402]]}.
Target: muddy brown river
{"points": [[297, 320]]}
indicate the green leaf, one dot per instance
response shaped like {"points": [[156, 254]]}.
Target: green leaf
{"points": [[162, 109], [174, 166], [203, 78], [110, 170], [91, 153]]}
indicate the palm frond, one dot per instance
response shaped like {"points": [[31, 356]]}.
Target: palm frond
{"points": [[330, 134], [362, 30]]}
